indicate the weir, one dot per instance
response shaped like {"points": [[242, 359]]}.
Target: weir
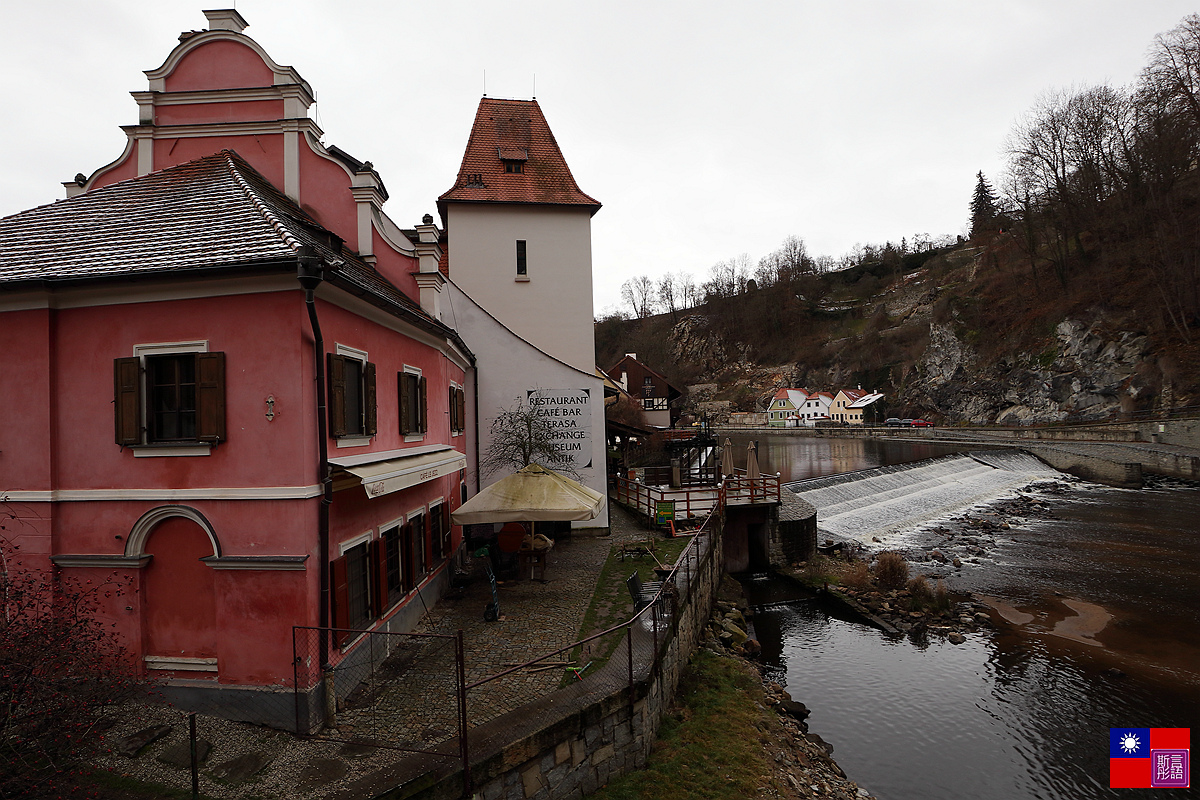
{"points": [[882, 500]]}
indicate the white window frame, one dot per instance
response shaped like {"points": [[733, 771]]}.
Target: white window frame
{"points": [[360, 356], [411, 370], [140, 351]]}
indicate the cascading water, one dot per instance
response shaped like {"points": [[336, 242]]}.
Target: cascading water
{"points": [[881, 502]]}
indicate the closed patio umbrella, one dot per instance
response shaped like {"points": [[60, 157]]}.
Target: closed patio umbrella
{"points": [[727, 459], [752, 471]]}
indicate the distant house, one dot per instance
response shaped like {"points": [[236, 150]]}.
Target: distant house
{"points": [[785, 408], [656, 392], [816, 407], [852, 405]]}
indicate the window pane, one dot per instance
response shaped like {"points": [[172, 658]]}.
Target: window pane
{"points": [[354, 415], [357, 569], [171, 397]]}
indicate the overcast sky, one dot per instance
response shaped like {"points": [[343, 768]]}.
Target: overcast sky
{"points": [[706, 129]]}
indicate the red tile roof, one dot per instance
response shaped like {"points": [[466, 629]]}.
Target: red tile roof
{"points": [[514, 131], [213, 213]]}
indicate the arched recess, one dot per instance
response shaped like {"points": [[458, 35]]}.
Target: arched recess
{"points": [[135, 543], [179, 604]]}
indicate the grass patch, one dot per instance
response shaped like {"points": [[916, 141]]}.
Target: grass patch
{"points": [[710, 745], [611, 604]]}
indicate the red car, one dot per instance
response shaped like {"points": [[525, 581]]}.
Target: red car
{"points": [[920, 423]]}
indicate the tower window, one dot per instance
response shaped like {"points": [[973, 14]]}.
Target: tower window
{"points": [[522, 264]]}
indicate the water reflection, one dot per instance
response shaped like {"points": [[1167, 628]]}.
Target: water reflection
{"points": [[1013, 713], [800, 457], [994, 718]]}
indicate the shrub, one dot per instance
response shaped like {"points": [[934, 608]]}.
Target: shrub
{"points": [[858, 576], [941, 597], [891, 571], [61, 673], [920, 593]]}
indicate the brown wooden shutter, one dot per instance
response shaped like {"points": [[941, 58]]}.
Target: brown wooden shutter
{"points": [[424, 384], [210, 397], [453, 409], [377, 553], [339, 596], [462, 409], [405, 402], [337, 395], [127, 400], [370, 418]]}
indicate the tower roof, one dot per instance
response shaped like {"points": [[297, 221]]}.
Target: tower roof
{"points": [[512, 157]]}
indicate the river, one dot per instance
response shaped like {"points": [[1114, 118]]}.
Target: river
{"points": [[1098, 626]]}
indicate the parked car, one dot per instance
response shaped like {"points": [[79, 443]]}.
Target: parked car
{"points": [[920, 423], [892, 422], [906, 423]]}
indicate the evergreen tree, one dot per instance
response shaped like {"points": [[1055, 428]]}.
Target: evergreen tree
{"points": [[983, 208]]}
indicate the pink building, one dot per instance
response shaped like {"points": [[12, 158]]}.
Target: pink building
{"points": [[226, 381]]}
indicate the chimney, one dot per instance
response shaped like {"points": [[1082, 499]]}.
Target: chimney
{"points": [[225, 19], [428, 277], [631, 355]]}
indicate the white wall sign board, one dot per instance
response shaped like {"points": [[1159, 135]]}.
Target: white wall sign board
{"points": [[569, 412]]}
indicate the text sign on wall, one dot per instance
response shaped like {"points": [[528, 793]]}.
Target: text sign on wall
{"points": [[569, 413]]}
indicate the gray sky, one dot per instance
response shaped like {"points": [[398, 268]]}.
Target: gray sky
{"points": [[706, 129]]}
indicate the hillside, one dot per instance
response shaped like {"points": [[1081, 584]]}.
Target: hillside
{"points": [[968, 334]]}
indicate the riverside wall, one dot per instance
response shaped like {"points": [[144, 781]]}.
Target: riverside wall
{"points": [[576, 740]]}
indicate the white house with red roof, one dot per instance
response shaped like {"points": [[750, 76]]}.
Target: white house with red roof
{"points": [[852, 405], [232, 381]]}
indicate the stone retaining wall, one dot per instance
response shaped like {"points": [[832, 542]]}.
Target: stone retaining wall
{"points": [[1127, 475], [579, 738]]}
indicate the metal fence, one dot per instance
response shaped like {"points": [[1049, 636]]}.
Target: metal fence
{"points": [[403, 691]]}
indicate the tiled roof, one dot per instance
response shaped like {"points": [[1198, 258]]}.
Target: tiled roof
{"points": [[514, 131], [211, 213]]}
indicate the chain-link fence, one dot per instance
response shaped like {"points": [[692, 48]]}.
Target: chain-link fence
{"points": [[398, 690]]}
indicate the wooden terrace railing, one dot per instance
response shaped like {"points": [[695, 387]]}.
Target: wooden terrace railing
{"points": [[740, 490]]}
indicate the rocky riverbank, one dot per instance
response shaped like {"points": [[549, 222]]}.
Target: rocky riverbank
{"points": [[802, 762]]}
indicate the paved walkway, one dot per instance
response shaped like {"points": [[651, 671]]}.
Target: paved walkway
{"points": [[412, 702]]}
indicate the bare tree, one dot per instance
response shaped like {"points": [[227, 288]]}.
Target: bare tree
{"points": [[638, 292], [1174, 68], [520, 436], [668, 294]]}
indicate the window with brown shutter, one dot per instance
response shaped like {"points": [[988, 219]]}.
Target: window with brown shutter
{"points": [[414, 417], [184, 398], [352, 407]]}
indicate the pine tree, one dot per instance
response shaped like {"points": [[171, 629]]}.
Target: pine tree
{"points": [[983, 208]]}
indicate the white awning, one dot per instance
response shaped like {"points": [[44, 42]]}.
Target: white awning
{"points": [[393, 470]]}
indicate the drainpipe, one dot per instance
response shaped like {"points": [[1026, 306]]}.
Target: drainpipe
{"points": [[310, 273]]}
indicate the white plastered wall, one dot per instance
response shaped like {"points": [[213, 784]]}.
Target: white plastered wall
{"points": [[507, 367], [553, 308]]}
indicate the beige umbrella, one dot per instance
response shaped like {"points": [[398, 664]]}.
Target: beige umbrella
{"points": [[533, 493], [752, 471], [727, 459]]}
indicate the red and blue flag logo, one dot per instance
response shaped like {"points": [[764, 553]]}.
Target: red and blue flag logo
{"points": [[1149, 758]]}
